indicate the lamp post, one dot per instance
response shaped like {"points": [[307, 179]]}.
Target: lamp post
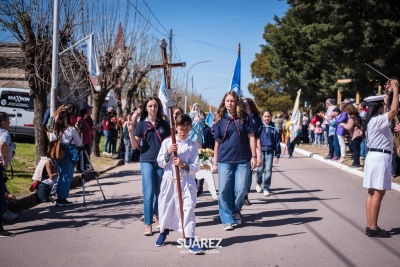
{"points": [[187, 76], [205, 89]]}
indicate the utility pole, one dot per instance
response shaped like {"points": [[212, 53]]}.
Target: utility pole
{"points": [[170, 45]]}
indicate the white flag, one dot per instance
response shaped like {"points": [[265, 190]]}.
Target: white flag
{"points": [[94, 69]]}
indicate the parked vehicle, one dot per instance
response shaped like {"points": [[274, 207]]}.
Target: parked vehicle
{"points": [[19, 105]]}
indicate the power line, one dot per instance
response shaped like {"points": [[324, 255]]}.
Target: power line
{"points": [[212, 45], [155, 16], [146, 19]]}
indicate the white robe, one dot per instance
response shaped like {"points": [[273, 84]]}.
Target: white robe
{"points": [[168, 203]]}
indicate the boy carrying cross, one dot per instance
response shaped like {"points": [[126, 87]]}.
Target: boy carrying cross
{"points": [[188, 163]]}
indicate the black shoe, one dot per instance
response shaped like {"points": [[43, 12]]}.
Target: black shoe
{"points": [[63, 203], [377, 233], [247, 201], [328, 157], [4, 233], [199, 192], [367, 230]]}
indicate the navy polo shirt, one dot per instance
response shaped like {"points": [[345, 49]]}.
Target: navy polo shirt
{"points": [[270, 139], [258, 124], [234, 148], [150, 144]]}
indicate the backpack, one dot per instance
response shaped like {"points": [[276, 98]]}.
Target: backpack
{"points": [[55, 150], [50, 125]]}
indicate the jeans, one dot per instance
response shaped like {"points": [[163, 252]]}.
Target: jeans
{"points": [[291, 146], [249, 180], [363, 149], [106, 141], [65, 170], [336, 146], [266, 169], [330, 145], [356, 151], [232, 178], [128, 150], [2, 192], [151, 182], [312, 136], [317, 139]]}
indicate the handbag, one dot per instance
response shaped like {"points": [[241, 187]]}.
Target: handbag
{"points": [[55, 150]]}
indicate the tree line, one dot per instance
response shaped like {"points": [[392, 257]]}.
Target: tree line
{"points": [[317, 43]]}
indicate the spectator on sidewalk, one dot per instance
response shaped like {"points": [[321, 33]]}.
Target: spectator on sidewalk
{"points": [[354, 127], [318, 134], [45, 180], [329, 103], [6, 153], [279, 123], [70, 139], [86, 133], [341, 132]]}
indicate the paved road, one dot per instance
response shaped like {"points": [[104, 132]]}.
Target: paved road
{"points": [[315, 218]]}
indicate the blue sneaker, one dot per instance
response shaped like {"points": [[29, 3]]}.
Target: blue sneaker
{"points": [[196, 250], [161, 239]]}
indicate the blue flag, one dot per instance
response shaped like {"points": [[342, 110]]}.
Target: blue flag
{"points": [[163, 97], [235, 83]]}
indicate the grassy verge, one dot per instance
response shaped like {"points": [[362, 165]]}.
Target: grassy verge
{"points": [[23, 165]]}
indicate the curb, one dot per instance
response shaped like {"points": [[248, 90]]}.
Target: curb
{"points": [[338, 165], [30, 200]]}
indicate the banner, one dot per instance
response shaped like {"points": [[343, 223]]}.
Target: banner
{"points": [[163, 97], [295, 118]]}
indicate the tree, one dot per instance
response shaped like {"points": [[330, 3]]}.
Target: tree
{"points": [[31, 24], [318, 42]]}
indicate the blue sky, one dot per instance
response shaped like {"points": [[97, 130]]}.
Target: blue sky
{"points": [[210, 30], [222, 25]]}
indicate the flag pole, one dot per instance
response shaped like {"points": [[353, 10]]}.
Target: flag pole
{"points": [[240, 80], [54, 59], [84, 39]]}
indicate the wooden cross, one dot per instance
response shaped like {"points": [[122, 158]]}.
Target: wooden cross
{"points": [[170, 103]]}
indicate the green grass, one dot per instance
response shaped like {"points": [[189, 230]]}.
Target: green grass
{"points": [[23, 165]]}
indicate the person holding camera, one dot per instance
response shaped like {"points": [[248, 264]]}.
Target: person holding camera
{"points": [[67, 133], [85, 131], [377, 167]]}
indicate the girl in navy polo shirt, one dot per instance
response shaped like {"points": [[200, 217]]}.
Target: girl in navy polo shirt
{"points": [[270, 147], [235, 152], [254, 113], [149, 133]]}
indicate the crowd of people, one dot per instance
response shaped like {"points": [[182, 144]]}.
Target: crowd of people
{"points": [[244, 141]]}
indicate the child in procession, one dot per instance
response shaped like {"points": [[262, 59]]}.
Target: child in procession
{"points": [[189, 165], [271, 148]]}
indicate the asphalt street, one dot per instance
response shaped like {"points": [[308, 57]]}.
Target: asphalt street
{"points": [[316, 217]]}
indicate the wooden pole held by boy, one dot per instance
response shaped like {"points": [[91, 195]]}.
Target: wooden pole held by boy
{"points": [[170, 104]]}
